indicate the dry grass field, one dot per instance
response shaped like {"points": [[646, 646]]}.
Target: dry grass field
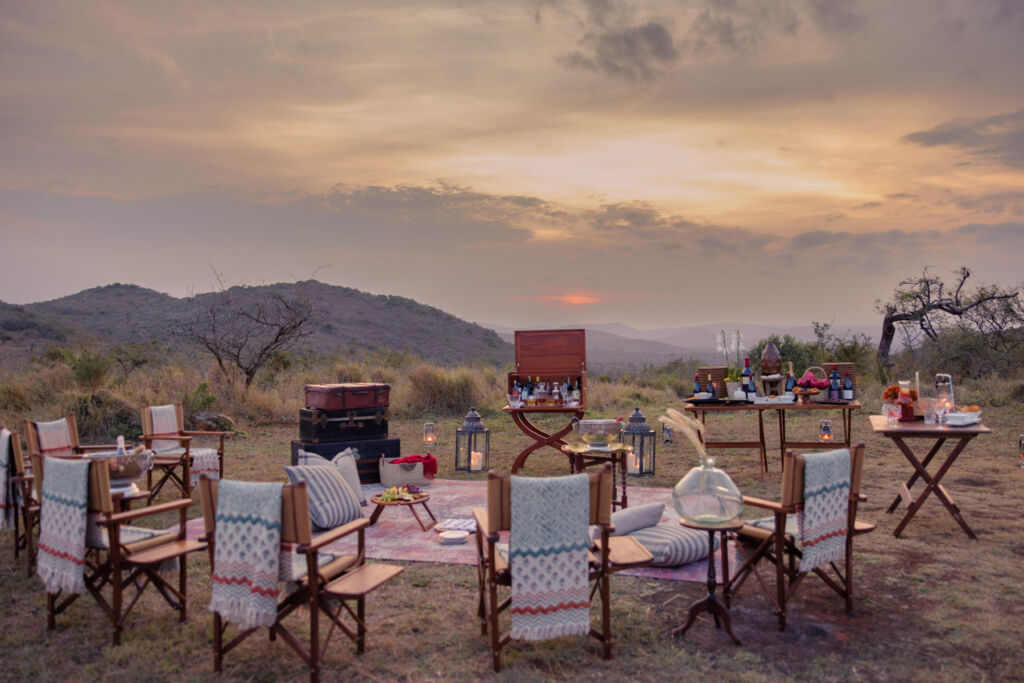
{"points": [[930, 605]]}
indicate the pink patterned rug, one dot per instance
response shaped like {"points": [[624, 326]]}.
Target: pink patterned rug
{"points": [[397, 536]]}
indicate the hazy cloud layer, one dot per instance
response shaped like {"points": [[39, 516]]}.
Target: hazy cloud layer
{"points": [[999, 138]]}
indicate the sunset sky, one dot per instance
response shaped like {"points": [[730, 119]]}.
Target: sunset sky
{"points": [[532, 163]]}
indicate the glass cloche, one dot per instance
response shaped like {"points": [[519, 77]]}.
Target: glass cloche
{"points": [[707, 496]]}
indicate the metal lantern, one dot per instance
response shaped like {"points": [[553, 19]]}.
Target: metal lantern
{"points": [[642, 438], [472, 444], [825, 431], [429, 436]]}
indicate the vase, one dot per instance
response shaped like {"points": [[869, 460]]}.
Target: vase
{"points": [[707, 496], [771, 360]]}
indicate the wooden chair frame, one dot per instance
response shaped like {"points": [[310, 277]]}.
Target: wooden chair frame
{"points": [[344, 580], [125, 564], [76, 447], [493, 571], [26, 516], [168, 465], [780, 549]]}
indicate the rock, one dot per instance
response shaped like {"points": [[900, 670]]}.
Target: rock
{"points": [[212, 422]]}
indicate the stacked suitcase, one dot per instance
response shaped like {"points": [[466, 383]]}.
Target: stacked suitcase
{"points": [[340, 416]]}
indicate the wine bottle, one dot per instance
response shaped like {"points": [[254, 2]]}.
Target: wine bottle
{"points": [[790, 382], [847, 388], [696, 385], [711, 387], [747, 378], [833, 385], [751, 388]]}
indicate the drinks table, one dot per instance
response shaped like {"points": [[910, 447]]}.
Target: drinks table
{"points": [[937, 434], [710, 603], [418, 499], [582, 456], [520, 416]]}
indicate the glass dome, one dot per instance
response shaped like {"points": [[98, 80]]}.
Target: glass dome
{"points": [[707, 496]]}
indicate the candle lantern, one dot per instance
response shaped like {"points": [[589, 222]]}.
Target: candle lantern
{"points": [[429, 436], [666, 434], [472, 444], [825, 431], [638, 434]]}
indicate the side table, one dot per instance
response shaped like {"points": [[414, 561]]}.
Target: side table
{"points": [[582, 456], [420, 499], [710, 603]]}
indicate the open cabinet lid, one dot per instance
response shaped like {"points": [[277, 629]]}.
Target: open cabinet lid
{"points": [[551, 351]]}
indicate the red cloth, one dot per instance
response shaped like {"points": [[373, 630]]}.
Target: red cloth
{"points": [[429, 463]]}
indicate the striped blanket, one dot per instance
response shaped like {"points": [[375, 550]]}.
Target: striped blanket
{"points": [[822, 521], [548, 547], [7, 497], [204, 460], [62, 521], [246, 553]]}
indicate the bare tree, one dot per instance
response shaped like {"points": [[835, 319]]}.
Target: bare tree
{"points": [[244, 327], [926, 302]]}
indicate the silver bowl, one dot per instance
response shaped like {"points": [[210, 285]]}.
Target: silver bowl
{"points": [[125, 470], [599, 433]]}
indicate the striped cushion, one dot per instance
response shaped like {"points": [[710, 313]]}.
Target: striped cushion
{"points": [[345, 461], [331, 500], [673, 545]]}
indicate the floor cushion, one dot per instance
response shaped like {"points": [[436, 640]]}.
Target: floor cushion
{"points": [[672, 544]]}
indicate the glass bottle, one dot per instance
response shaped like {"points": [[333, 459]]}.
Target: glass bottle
{"points": [[834, 387], [790, 382], [905, 401], [711, 387], [707, 496], [847, 388], [696, 385]]}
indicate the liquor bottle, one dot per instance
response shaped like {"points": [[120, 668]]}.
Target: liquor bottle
{"points": [[556, 394], [696, 385], [751, 388], [790, 382], [531, 397], [747, 378], [576, 391], [847, 388], [516, 389], [711, 387], [833, 385]]}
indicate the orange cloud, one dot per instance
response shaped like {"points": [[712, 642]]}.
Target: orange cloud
{"points": [[572, 299]]}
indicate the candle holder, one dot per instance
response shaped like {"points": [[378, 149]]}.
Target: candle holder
{"points": [[638, 434], [429, 436], [825, 431], [473, 444]]}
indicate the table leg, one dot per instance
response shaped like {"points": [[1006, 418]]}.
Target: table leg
{"points": [[542, 438], [847, 425], [764, 447], [624, 500], [376, 514], [782, 435], [412, 509], [709, 603], [934, 485], [913, 461]]}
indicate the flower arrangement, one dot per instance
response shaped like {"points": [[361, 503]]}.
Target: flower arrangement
{"points": [[892, 392], [809, 381], [734, 374]]}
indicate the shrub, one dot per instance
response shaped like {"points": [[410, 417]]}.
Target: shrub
{"points": [[198, 400], [90, 369], [439, 392], [13, 399], [349, 372], [103, 415]]}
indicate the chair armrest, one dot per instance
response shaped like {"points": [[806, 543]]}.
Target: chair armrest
{"points": [[164, 437], [98, 447], [26, 479], [482, 520], [119, 517], [766, 504], [861, 498], [334, 534], [193, 432]]}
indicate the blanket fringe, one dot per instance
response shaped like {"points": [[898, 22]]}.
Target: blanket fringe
{"points": [[548, 631], [241, 612], [56, 581]]}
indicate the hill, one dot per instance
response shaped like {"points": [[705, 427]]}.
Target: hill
{"points": [[348, 320]]}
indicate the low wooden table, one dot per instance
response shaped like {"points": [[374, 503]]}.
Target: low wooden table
{"points": [[710, 603], [582, 456], [420, 499], [938, 435], [556, 440]]}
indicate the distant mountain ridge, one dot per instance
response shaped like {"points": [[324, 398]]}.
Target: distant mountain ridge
{"points": [[351, 320]]}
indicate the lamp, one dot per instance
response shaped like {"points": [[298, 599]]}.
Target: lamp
{"points": [[429, 435], [638, 434], [473, 444], [825, 431]]}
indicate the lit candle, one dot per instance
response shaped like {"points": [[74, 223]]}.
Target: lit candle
{"points": [[633, 463], [476, 461], [917, 382]]}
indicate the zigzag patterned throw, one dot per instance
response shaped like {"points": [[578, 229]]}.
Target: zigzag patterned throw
{"points": [[7, 503], [246, 553], [548, 546], [63, 510], [204, 460], [822, 521]]}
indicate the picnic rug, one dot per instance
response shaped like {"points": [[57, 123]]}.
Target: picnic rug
{"points": [[397, 536]]}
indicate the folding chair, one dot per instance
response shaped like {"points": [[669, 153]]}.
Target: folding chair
{"points": [[22, 506], [174, 457], [777, 539], [495, 569], [58, 437], [318, 579], [116, 554]]}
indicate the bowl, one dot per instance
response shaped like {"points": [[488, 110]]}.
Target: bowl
{"points": [[599, 432], [453, 537], [126, 469]]}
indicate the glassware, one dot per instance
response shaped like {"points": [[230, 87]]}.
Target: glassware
{"points": [[429, 435], [891, 412], [944, 396], [905, 401], [928, 408], [707, 496]]}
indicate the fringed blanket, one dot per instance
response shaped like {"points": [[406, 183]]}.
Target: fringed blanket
{"points": [[204, 460], [246, 553], [429, 463], [822, 521], [7, 497], [548, 547], [54, 437], [61, 560]]}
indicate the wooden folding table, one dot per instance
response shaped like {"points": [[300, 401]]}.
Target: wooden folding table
{"points": [[938, 435], [556, 440], [846, 408]]}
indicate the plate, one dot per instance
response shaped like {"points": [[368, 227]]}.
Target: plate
{"points": [[962, 419], [453, 537]]}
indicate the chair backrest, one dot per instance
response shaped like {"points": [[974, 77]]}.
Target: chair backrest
{"points": [[156, 420], [718, 373], [793, 477], [296, 526], [100, 499], [17, 459], [41, 443], [499, 499]]}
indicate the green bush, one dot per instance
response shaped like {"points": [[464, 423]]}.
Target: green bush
{"points": [[349, 372], [436, 392], [103, 415], [198, 400], [14, 399], [90, 369]]}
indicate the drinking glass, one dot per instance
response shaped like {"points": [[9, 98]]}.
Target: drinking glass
{"points": [[928, 406]]}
